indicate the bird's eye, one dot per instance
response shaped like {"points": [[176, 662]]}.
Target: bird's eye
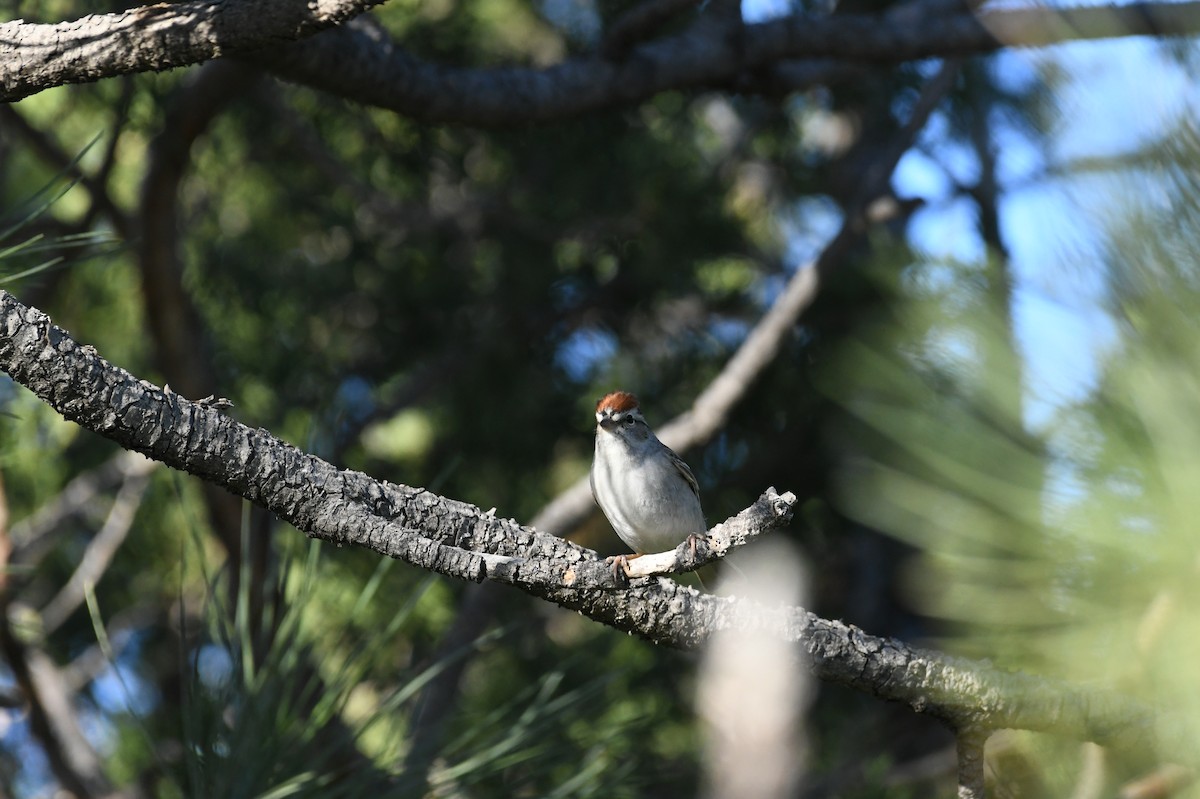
{"points": [[629, 421]]}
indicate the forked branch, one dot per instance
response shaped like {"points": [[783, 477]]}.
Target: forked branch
{"points": [[459, 540]]}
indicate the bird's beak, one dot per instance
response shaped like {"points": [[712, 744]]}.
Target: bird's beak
{"points": [[606, 421]]}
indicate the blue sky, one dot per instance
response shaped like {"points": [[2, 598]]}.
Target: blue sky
{"points": [[1119, 94]]}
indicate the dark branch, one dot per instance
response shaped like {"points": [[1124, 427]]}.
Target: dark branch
{"points": [[155, 37], [361, 62], [970, 745], [639, 22], [52, 717]]}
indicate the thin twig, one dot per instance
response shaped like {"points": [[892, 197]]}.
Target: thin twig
{"points": [[717, 543]]}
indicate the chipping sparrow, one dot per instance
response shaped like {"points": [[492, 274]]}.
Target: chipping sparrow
{"points": [[648, 494]]}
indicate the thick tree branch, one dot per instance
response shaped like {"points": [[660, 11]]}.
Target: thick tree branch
{"points": [[343, 507], [361, 62], [457, 539], [155, 37]]}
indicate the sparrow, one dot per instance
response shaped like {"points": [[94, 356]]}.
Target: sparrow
{"points": [[646, 491]]}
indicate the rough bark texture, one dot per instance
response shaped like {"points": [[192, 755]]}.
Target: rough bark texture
{"points": [[459, 540], [360, 61], [155, 37], [970, 745]]}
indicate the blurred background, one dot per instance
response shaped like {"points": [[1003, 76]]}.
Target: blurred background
{"points": [[988, 412]]}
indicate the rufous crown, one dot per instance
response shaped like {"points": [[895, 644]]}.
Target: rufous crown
{"points": [[617, 402]]}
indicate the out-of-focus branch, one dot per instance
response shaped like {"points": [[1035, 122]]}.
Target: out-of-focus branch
{"points": [[712, 406], [99, 553], [42, 691], [48, 700], [34, 57], [1167, 780], [34, 535], [798, 74], [176, 332], [44, 145], [55, 700], [361, 62], [5, 538], [640, 22], [749, 693]]}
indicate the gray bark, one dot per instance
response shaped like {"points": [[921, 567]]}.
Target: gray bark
{"points": [[459, 540]]}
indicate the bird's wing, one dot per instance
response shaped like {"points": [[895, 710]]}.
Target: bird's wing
{"points": [[684, 470]]}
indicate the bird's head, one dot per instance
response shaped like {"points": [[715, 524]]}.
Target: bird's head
{"points": [[618, 412]]}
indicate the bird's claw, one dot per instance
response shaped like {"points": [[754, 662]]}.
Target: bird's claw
{"points": [[620, 563]]}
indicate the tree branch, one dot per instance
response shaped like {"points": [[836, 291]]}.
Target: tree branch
{"points": [[457, 539], [640, 21], [970, 745], [52, 718], [35, 535], [34, 57], [99, 553], [359, 61], [43, 143], [717, 543]]}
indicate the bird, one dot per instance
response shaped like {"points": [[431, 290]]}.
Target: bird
{"points": [[648, 494]]}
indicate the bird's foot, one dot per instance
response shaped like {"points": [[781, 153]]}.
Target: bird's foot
{"points": [[620, 562]]}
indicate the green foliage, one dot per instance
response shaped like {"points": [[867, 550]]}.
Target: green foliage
{"points": [[260, 721], [24, 254], [1071, 551]]}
